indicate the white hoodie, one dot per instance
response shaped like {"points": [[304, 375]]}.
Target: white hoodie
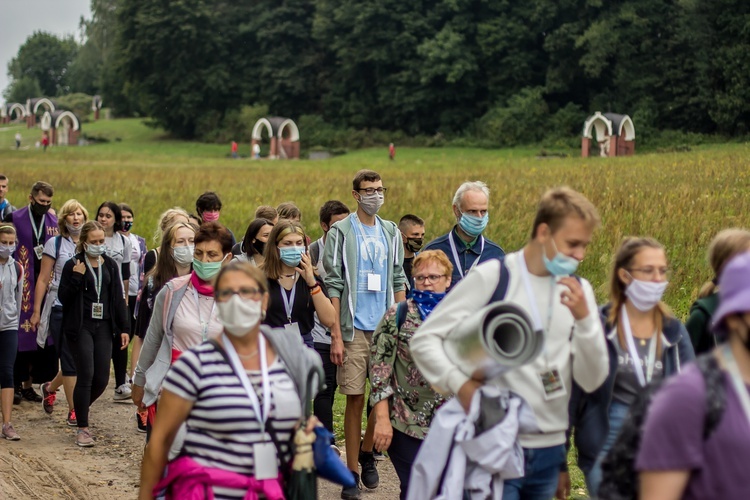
{"points": [[576, 348]]}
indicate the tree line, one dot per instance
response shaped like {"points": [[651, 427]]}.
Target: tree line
{"points": [[503, 71]]}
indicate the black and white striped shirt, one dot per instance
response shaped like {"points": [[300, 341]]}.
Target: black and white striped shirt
{"points": [[222, 426]]}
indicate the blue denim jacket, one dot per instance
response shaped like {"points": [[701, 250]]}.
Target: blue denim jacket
{"points": [[589, 413]]}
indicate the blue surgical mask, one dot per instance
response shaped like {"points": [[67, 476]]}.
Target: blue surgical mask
{"points": [[291, 256], [560, 265], [473, 226], [426, 301]]}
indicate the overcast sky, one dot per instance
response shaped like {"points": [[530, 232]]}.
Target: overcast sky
{"points": [[21, 18]]}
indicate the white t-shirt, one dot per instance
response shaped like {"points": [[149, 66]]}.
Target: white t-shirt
{"points": [[119, 250], [135, 265], [67, 251]]}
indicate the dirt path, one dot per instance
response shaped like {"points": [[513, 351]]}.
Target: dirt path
{"points": [[46, 463]]}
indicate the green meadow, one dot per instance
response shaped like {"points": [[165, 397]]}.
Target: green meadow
{"points": [[681, 199]]}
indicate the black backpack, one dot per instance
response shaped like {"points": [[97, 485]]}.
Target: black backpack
{"points": [[619, 477]]}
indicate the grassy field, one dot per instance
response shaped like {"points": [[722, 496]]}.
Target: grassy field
{"points": [[681, 199]]}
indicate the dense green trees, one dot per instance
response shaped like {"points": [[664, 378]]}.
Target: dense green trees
{"points": [[503, 71]]}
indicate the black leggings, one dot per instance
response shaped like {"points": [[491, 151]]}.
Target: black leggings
{"points": [[120, 356], [323, 403], [8, 348], [92, 350]]}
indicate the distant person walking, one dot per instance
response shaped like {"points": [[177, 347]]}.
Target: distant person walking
{"points": [[234, 149], [45, 141], [391, 152], [256, 151], [18, 140]]}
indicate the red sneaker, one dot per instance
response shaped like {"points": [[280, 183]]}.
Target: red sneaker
{"points": [[48, 401]]}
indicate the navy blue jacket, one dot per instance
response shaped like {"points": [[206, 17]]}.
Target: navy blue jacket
{"points": [[466, 256], [589, 413]]}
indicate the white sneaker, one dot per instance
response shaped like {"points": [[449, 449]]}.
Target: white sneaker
{"points": [[122, 393]]}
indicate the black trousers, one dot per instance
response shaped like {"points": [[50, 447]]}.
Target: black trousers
{"points": [[323, 403], [402, 452], [92, 350], [120, 356]]}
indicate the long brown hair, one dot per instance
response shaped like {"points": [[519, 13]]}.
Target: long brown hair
{"points": [[166, 268], [271, 260], [629, 248], [723, 247]]}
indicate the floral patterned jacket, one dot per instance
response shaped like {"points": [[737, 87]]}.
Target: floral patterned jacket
{"points": [[394, 376]]}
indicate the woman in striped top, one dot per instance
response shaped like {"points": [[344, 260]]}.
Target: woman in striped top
{"points": [[240, 397]]}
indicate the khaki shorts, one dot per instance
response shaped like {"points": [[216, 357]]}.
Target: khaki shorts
{"points": [[352, 375]]}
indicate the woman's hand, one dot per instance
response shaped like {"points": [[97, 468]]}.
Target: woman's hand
{"points": [[124, 341], [312, 423], [35, 320], [80, 267], [136, 393], [306, 270], [383, 434]]}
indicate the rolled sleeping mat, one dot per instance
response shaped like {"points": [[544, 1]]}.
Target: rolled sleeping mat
{"points": [[498, 338]]}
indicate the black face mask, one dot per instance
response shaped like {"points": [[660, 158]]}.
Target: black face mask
{"points": [[39, 209], [259, 246], [414, 244], [126, 226]]}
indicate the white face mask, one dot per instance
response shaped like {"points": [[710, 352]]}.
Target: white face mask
{"points": [[183, 255], [239, 316], [644, 295]]}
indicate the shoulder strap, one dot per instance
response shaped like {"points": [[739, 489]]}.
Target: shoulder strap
{"points": [[18, 268], [502, 283], [401, 311], [58, 244], [716, 397]]}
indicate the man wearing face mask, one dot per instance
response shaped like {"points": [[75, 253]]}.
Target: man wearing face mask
{"points": [[412, 234], [539, 280], [363, 258], [465, 245], [34, 226]]}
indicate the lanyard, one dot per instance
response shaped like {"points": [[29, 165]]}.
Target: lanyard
{"points": [[204, 324], [37, 231], [535, 316], [234, 359], [97, 277], [289, 301], [455, 255], [361, 231], [651, 360], [739, 385]]}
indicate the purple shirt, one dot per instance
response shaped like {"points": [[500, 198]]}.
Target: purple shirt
{"points": [[673, 439]]}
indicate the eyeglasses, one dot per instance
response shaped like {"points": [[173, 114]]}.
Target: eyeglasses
{"points": [[245, 293], [434, 278], [652, 272], [372, 191]]}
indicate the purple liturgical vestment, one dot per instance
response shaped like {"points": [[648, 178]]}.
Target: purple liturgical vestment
{"points": [[26, 256]]}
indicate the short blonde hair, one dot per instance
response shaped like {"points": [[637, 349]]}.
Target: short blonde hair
{"points": [[436, 256], [68, 208], [7, 229], [561, 202]]}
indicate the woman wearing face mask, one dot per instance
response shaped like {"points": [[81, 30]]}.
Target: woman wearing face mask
{"points": [[228, 391], [684, 451], [184, 313], [175, 259], [645, 343], [94, 315], [403, 402], [11, 279], [295, 292], [48, 320], [166, 220], [251, 248]]}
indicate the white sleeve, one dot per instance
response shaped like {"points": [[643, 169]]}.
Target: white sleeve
{"points": [[127, 250], [470, 295], [589, 347]]}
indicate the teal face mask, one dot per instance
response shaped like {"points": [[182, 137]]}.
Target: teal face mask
{"points": [[291, 256], [560, 265], [206, 270]]}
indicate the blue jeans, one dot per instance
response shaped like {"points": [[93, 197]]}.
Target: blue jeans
{"points": [[617, 414], [542, 470]]}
